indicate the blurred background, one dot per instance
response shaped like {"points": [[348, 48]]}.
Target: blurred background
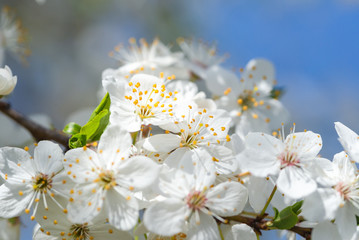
{"points": [[314, 45]]}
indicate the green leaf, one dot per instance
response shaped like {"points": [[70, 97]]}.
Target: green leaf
{"points": [[72, 128], [288, 217], [94, 128], [77, 140], [104, 104]]}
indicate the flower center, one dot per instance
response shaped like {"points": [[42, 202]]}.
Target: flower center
{"points": [[145, 112], [246, 100], [107, 179], [189, 141], [344, 190], [42, 182], [288, 158], [196, 200], [80, 231]]}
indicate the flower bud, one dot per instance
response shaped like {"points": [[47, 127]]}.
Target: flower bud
{"points": [[7, 81]]}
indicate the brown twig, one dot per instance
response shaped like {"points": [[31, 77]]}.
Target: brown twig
{"points": [[37, 131]]}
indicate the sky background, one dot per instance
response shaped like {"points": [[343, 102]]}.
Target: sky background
{"points": [[314, 45]]}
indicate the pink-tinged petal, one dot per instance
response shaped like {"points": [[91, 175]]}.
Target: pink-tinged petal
{"points": [[114, 144], [325, 231], [137, 172], [14, 200], [166, 218], [206, 229], [346, 222], [243, 232], [295, 183], [16, 163], [86, 203], [227, 199], [122, 211], [321, 205], [48, 157], [162, 143], [349, 140], [306, 144], [81, 163]]}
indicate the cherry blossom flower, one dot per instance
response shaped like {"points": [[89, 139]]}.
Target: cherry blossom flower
{"points": [[291, 160], [143, 100], [339, 199], [200, 55], [152, 56], [12, 35], [106, 179], [7, 81], [248, 99], [192, 202], [30, 181]]}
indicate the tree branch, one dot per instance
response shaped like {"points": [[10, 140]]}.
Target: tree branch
{"points": [[37, 131], [260, 224]]}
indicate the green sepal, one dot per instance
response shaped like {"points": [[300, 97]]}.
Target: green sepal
{"points": [[72, 128], [288, 217], [277, 92], [77, 140]]}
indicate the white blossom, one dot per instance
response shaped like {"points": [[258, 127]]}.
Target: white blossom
{"points": [[7, 81]]}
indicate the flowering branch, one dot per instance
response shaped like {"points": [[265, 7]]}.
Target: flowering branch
{"points": [[259, 224], [37, 131]]}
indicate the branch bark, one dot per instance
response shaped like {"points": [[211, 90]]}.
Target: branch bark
{"points": [[37, 131]]}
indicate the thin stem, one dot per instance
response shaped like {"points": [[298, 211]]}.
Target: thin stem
{"points": [[257, 234], [220, 231], [268, 201]]}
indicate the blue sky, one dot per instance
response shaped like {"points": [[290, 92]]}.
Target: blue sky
{"points": [[314, 46]]}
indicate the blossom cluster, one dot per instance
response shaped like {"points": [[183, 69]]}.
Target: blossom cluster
{"points": [[190, 150]]}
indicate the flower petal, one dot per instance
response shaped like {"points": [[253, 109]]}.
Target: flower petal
{"points": [[48, 157], [166, 218]]}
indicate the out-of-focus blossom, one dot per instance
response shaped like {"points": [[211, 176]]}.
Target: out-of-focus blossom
{"points": [[12, 36], [7, 81]]}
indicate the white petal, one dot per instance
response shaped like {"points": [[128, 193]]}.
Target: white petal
{"points": [[346, 221], [115, 143], [48, 157], [86, 204], [321, 205], [295, 182], [349, 139], [166, 218], [325, 231], [138, 172], [81, 162], [162, 143], [218, 79], [227, 199], [260, 155], [12, 203], [122, 213], [306, 144], [207, 229], [16, 163], [243, 232]]}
